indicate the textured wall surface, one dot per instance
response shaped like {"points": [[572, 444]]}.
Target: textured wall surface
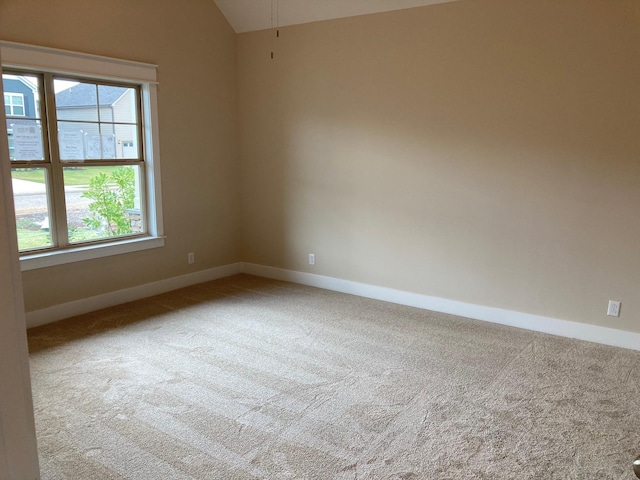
{"points": [[483, 151]]}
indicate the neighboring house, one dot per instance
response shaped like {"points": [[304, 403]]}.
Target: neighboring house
{"points": [[20, 97], [107, 114], [20, 100], [105, 111]]}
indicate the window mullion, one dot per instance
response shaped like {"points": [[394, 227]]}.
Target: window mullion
{"points": [[57, 176]]}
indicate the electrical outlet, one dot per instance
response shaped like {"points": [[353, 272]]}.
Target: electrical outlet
{"points": [[312, 259], [614, 309], [191, 258]]}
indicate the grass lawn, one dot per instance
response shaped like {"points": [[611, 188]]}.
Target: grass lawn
{"points": [[29, 238], [30, 235], [72, 176]]}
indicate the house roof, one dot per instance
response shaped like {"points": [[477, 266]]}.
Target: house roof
{"points": [[84, 95]]}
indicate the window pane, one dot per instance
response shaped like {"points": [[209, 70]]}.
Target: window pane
{"points": [[126, 138], [25, 139], [102, 202], [21, 95], [77, 140], [30, 192], [117, 104], [76, 101], [106, 142]]}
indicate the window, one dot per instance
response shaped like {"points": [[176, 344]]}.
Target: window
{"points": [[14, 104], [83, 156]]}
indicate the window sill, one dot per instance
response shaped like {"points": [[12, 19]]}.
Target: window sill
{"points": [[88, 252]]}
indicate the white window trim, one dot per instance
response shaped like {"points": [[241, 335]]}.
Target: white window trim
{"points": [[88, 252], [30, 57], [11, 105]]}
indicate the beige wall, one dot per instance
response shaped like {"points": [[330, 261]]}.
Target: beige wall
{"points": [[18, 453], [483, 150], [194, 48], [486, 151]]}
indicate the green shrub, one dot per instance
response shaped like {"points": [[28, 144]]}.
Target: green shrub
{"points": [[112, 196]]}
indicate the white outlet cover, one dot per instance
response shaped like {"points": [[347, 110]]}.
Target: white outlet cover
{"points": [[614, 309]]}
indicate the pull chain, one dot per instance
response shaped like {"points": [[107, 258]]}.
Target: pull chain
{"points": [[277, 30]]}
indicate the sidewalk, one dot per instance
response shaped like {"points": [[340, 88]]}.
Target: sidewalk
{"points": [[25, 187]]}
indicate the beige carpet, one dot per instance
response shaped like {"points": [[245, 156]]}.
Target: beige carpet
{"points": [[247, 378]]}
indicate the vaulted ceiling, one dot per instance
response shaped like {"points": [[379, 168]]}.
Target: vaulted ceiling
{"points": [[251, 15]]}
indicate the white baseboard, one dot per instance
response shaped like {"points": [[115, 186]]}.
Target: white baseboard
{"points": [[554, 326], [91, 304]]}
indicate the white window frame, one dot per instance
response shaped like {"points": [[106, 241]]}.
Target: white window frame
{"points": [[35, 58], [12, 105]]}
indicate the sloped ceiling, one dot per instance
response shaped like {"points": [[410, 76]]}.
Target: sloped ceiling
{"points": [[251, 15]]}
